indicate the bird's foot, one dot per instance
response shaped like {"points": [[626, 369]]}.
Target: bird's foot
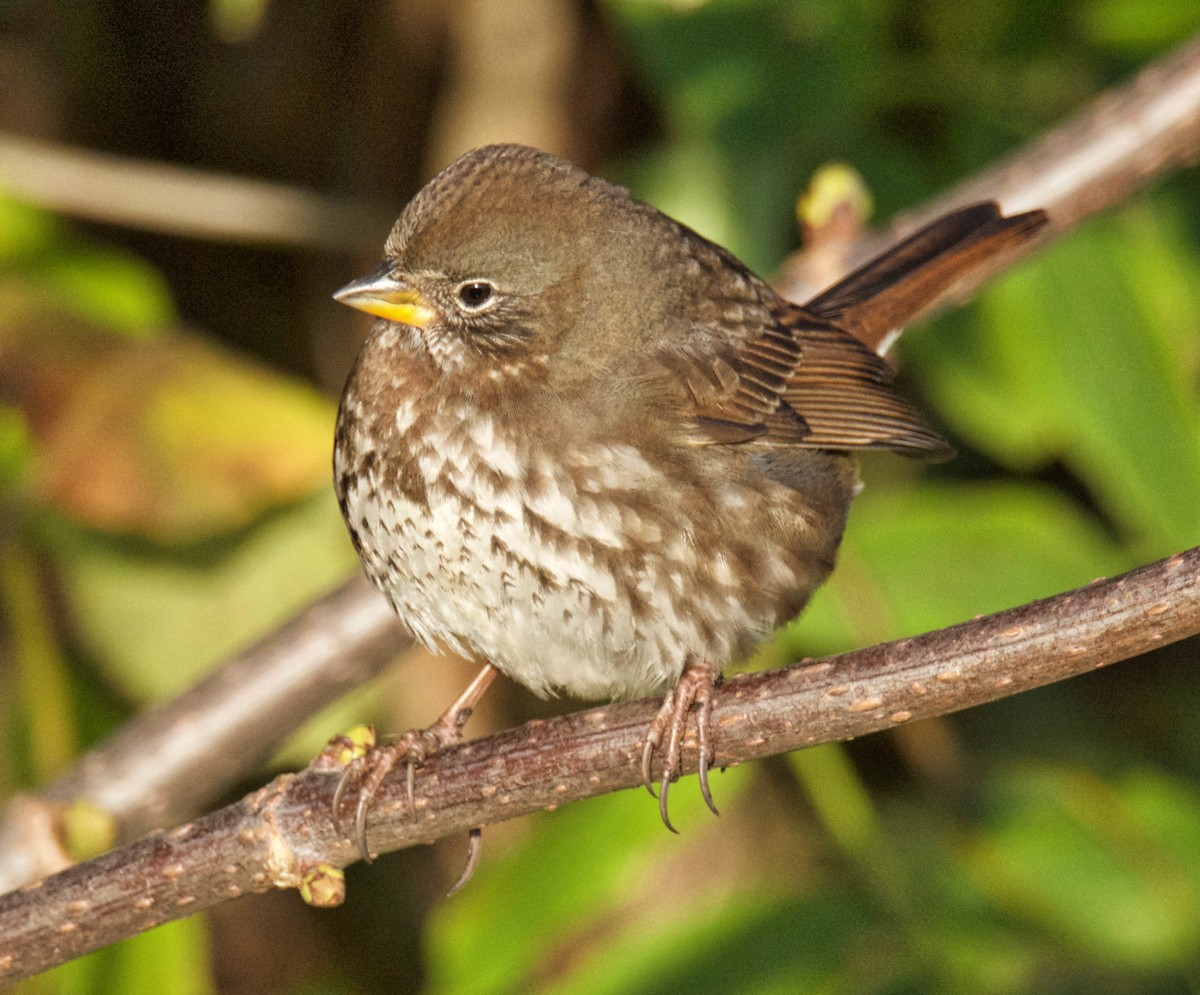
{"points": [[370, 769], [694, 687], [412, 750]]}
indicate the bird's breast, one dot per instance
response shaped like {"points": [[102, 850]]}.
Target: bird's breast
{"points": [[573, 563]]}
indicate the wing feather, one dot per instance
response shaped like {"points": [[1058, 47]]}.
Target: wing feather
{"points": [[802, 378]]}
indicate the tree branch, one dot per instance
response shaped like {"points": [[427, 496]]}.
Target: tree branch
{"points": [[172, 760], [1128, 137], [282, 836], [1122, 140], [183, 200]]}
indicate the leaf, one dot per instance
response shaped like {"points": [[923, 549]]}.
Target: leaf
{"points": [[177, 441], [754, 942], [173, 439], [16, 449], [112, 288], [156, 622], [172, 959], [24, 231], [941, 553], [1140, 27], [1110, 869], [560, 889], [1088, 356], [92, 283]]}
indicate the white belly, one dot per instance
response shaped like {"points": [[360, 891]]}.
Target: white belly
{"points": [[542, 564]]}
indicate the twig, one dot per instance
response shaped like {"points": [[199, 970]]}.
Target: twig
{"points": [[182, 200], [1127, 137], [1123, 140], [283, 837]]}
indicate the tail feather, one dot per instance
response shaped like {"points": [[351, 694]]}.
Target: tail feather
{"points": [[880, 297]]}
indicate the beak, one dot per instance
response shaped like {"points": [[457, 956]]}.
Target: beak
{"points": [[386, 296]]}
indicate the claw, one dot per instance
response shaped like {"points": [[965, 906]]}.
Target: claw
{"points": [[694, 687], [705, 793], [653, 738], [474, 846], [708, 751], [412, 749], [410, 777], [340, 791], [360, 827], [662, 803]]}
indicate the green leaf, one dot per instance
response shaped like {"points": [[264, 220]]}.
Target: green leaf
{"points": [[1110, 869], [16, 448], [24, 231], [1088, 355], [178, 441], [156, 622], [917, 560], [36, 668], [575, 871], [753, 942], [111, 288], [1140, 27], [172, 959], [95, 283]]}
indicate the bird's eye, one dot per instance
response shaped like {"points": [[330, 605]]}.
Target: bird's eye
{"points": [[475, 294]]}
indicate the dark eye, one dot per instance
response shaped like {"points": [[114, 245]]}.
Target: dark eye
{"points": [[474, 294]]}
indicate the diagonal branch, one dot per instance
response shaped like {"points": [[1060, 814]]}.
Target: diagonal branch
{"points": [[282, 836], [173, 759], [184, 200], [1126, 138]]}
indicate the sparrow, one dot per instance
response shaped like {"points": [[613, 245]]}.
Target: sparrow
{"points": [[591, 449]]}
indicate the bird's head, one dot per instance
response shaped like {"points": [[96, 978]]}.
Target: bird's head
{"points": [[510, 256]]}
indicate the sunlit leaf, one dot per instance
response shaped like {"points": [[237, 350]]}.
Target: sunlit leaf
{"points": [[562, 886], [16, 447], [173, 959], [102, 285], [97, 284], [25, 231], [1139, 26], [174, 439], [918, 560], [1077, 357], [757, 943], [156, 622]]}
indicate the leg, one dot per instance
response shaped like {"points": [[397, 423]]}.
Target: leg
{"points": [[411, 749], [694, 687]]}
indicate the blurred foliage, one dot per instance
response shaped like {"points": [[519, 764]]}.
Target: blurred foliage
{"points": [[163, 500]]}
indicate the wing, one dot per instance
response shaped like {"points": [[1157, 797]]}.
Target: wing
{"points": [[806, 378], [802, 382]]}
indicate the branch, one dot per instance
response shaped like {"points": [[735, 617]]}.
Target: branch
{"points": [[183, 200], [1123, 140], [283, 837], [172, 760]]}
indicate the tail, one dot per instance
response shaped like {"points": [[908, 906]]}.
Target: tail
{"points": [[875, 301]]}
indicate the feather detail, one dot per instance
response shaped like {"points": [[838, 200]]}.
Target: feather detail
{"points": [[810, 377]]}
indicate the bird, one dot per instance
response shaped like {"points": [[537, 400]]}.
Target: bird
{"points": [[589, 448]]}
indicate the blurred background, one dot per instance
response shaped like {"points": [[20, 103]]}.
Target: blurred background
{"points": [[170, 361]]}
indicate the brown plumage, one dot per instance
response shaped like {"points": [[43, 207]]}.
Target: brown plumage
{"points": [[589, 447]]}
